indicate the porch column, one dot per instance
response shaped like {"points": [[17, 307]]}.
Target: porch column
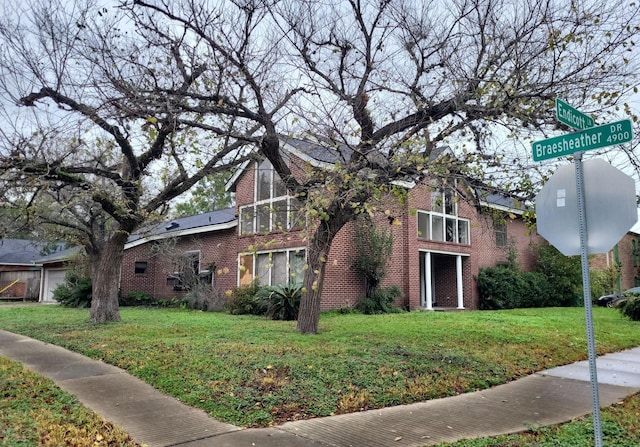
{"points": [[427, 277], [459, 282]]}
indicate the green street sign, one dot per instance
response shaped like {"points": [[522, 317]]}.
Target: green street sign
{"points": [[585, 140], [572, 117]]}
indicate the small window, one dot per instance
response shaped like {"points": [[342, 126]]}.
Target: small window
{"points": [[501, 233], [140, 267]]}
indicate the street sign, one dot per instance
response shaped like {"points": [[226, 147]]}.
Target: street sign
{"points": [[610, 202], [572, 117], [593, 138]]}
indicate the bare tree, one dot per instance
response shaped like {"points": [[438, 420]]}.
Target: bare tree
{"points": [[385, 84], [87, 124]]}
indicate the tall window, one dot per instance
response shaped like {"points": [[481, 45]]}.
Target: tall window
{"points": [[271, 268], [500, 228], [272, 209], [442, 222]]}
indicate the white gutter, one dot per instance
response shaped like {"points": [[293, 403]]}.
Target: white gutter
{"points": [[180, 233]]}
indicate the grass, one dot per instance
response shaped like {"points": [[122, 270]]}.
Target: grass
{"points": [[34, 411], [254, 372]]}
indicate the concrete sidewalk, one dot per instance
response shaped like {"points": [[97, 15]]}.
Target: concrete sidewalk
{"points": [[154, 419]]}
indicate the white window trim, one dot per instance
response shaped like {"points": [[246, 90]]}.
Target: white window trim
{"points": [[270, 201], [272, 223], [254, 256], [456, 238]]}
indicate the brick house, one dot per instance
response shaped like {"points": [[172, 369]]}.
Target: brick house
{"points": [[440, 242]]}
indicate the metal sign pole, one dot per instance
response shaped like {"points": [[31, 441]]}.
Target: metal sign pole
{"points": [[586, 285]]}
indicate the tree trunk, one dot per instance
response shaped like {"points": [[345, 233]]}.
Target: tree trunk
{"points": [[105, 276], [309, 314], [317, 256]]}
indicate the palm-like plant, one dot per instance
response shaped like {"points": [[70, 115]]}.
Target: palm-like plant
{"points": [[283, 301]]}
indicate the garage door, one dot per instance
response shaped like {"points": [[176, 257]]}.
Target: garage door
{"points": [[52, 279]]}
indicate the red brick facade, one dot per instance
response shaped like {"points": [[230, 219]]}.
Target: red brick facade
{"points": [[216, 248], [454, 265]]}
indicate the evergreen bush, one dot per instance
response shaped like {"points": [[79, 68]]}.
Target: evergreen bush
{"points": [[76, 291], [244, 301], [381, 301], [630, 308]]}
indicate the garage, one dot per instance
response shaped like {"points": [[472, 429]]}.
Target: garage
{"points": [[52, 279]]}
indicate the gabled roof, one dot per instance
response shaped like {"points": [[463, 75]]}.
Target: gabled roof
{"points": [[185, 226], [27, 252], [322, 153]]}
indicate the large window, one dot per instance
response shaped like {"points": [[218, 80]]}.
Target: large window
{"points": [[271, 268], [273, 209], [442, 222]]}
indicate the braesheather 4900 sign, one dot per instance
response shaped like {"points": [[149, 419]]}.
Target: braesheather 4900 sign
{"points": [[593, 138]]}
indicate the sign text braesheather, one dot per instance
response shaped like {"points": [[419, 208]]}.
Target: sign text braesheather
{"points": [[593, 138]]}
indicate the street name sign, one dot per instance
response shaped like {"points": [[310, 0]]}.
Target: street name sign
{"points": [[593, 138], [572, 117]]}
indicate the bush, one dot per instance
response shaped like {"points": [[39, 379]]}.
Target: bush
{"points": [[243, 301], [282, 301], [505, 287], [563, 273], [74, 292], [381, 301], [630, 308], [136, 299], [500, 287], [536, 292], [202, 297]]}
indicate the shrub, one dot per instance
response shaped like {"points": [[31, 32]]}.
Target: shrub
{"points": [[630, 308], [381, 301], [75, 291], [536, 292], [563, 273], [282, 301], [243, 301], [136, 299], [202, 297], [500, 287]]}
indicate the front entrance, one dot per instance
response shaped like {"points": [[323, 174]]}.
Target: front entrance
{"points": [[441, 284]]}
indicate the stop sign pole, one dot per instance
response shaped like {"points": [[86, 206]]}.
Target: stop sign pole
{"points": [[586, 287], [588, 137]]}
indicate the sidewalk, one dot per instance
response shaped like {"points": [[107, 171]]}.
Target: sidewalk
{"points": [[154, 419]]}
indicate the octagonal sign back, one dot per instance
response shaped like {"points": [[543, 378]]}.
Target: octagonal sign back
{"points": [[610, 208]]}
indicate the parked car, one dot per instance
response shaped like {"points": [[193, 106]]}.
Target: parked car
{"points": [[615, 299]]}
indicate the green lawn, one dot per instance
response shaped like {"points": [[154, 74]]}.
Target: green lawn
{"points": [[253, 372]]}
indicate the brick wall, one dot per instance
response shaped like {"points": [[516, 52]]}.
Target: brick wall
{"points": [[628, 270], [343, 286], [217, 248]]}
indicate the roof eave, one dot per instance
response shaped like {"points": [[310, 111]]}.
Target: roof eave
{"points": [[180, 233]]}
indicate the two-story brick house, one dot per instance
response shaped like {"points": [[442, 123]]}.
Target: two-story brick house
{"points": [[441, 240]]}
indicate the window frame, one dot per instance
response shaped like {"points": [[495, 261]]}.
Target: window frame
{"points": [[500, 233], [138, 265], [251, 264], [443, 225], [268, 209]]}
